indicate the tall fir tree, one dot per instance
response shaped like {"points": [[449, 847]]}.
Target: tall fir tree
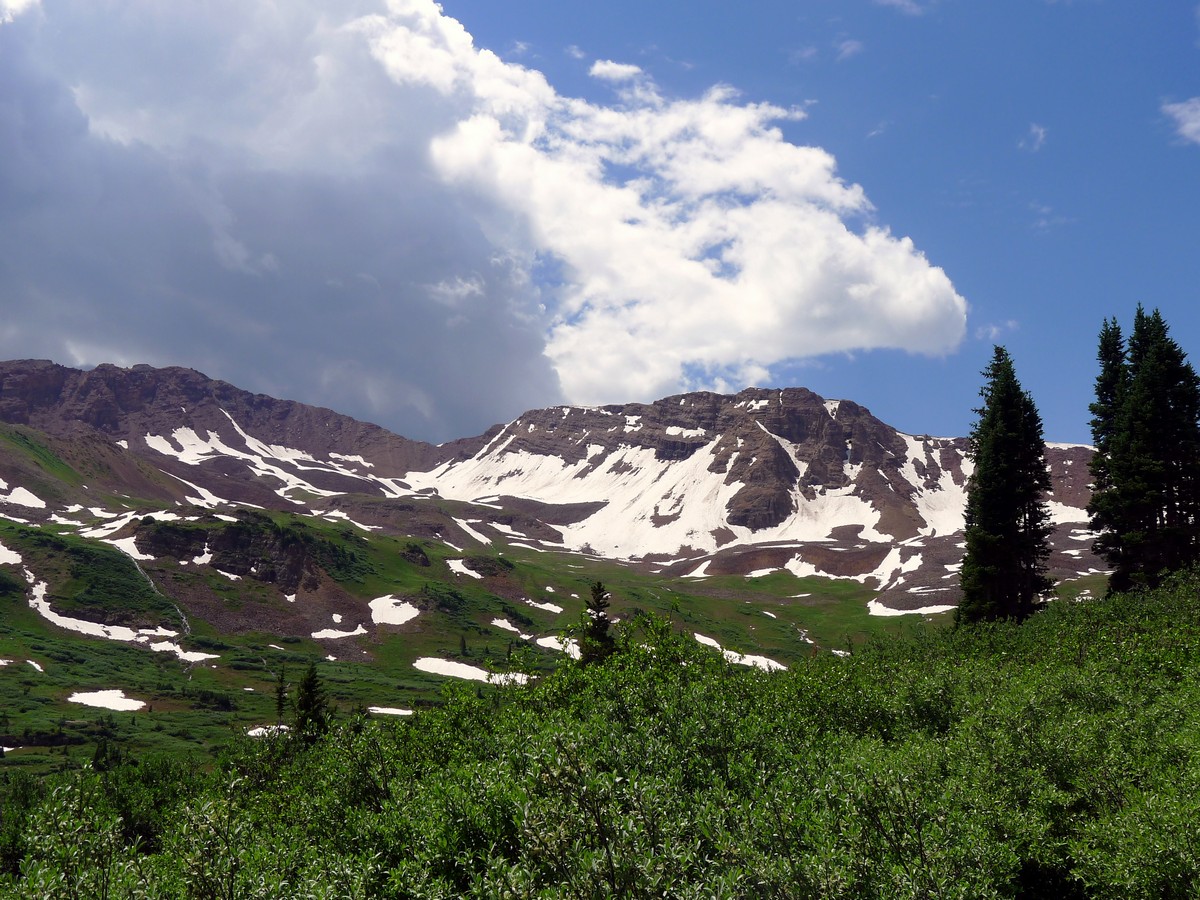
{"points": [[1007, 520], [1146, 428], [312, 706], [596, 643]]}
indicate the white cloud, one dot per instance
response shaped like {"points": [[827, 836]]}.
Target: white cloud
{"points": [[1187, 118], [994, 331], [607, 70], [407, 227], [848, 48], [10, 9], [726, 251], [1035, 139]]}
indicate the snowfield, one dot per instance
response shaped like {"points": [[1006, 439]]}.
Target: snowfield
{"points": [[112, 699]]}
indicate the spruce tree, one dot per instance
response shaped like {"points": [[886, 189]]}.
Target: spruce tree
{"points": [[1007, 520], [1146, 428], [596, 644], [312, 706]]}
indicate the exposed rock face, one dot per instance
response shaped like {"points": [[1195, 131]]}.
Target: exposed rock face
{"points": [[128, 404], [697, 483]]}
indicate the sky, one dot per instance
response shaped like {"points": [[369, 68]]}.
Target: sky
{"points": [[437, 217]]}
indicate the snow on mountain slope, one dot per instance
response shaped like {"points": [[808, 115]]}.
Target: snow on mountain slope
{"points": [[656, 499], [699, 484]]}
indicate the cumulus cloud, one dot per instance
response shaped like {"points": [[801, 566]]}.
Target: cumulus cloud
{"points": [[357, 206], [1187, 118], [607, 70]]}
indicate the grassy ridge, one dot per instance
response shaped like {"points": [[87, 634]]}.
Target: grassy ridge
{"points": [[1055, 759]]}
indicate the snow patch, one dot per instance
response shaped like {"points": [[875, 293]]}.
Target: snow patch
{"points": [[465, 525], [389, 711], [332, 634], [740, 659], [9, 557], [113, 699], [548, 607], [191, 656], [451, 669], [876, 608], [262, 731], [23, 497], [128, 546], [387, 610], [570, 646], [758, 662], [459, 567], [509, 626]]}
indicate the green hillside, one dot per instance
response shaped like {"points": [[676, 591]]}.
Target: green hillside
{"points": [[254, 633], [1053, 759]]}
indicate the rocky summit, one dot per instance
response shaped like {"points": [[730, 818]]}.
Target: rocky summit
{"points": [[697, 485]]}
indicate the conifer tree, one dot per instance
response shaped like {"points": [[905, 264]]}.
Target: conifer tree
{"points": [[596, 644], [1007, 519], [312, 705], [1146, 428]]}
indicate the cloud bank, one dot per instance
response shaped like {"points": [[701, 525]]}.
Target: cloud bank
{"points": [[353, 204]]}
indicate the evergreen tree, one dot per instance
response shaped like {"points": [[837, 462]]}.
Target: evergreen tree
{"points": [[312, 705], [1146, 428], [596, 643], [1007, 520], [1112, 386]]}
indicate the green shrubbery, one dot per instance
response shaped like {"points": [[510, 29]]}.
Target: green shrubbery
{"points": [[1053, 759]]}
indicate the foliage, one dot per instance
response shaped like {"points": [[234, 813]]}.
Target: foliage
{"points": [[1146, 427], [1054, 759], [1007, 520], [596, 644], [312, 706]]}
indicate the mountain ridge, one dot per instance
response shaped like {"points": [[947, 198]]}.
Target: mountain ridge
{"points": [[693, 484]]}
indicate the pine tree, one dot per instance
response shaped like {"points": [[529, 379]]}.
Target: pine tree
{"points": [[1146, 427], [312, 706], [596, 643], [1007, 520], [1112, 386]]}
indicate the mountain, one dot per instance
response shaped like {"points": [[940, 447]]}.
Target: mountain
{"points": [[694, 485], [240, 537]]}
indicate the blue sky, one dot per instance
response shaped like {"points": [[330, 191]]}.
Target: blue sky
{"points": [[437, 218]]}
